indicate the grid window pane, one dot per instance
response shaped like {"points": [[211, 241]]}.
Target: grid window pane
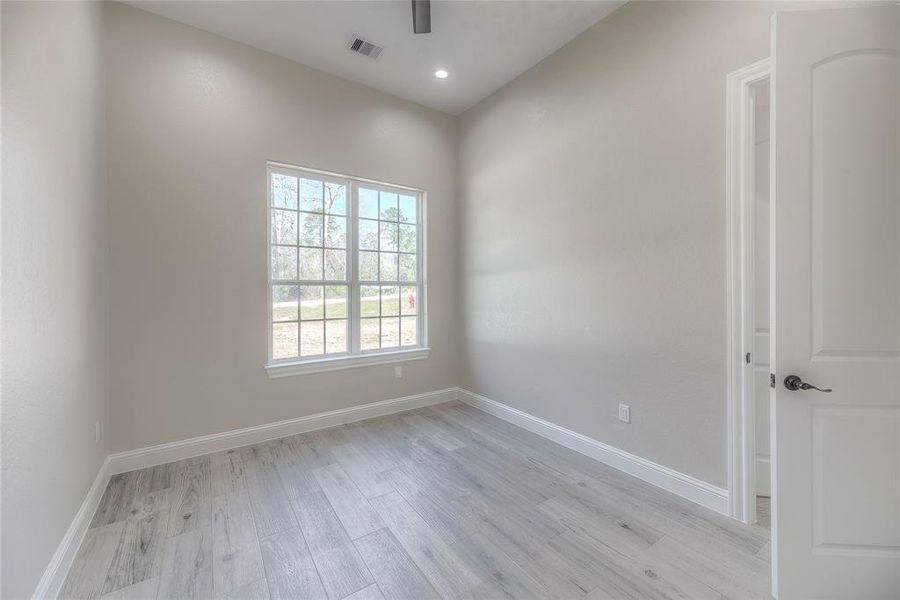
{"points": [[284, 262], [335, 199], [284, 191], [312, 302], [368, 234], [312, 338], [284, 227], [369, 334], [335, 265], [310, 229], [408, 333], [311, 195], [407, 238], [369, 301], [335, 232], [336, 337], [368, 203], [407, 267], [368, 266], [310, 264], [388, 204], [389, 235], [310, 220], [284, 302], [390, 332], [388, 266], [407, 209], [335, 301], [408, 300], [390, 301], [284, 340]]}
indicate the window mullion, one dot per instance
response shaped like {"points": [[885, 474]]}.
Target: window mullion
{"points": [[420, 270], [378, 259], [355, 290], [322, 263], [270, 201]]}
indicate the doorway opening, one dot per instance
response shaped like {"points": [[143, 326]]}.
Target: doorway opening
{"points": [[759, 355], [748, 168]]}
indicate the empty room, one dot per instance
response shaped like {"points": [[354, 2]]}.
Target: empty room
{"points": [[449, 299]]}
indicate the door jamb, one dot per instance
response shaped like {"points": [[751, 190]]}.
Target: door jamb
{"points": [[740, 276]]}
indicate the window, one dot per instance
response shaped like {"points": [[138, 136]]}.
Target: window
{"points": [[346, 283]]}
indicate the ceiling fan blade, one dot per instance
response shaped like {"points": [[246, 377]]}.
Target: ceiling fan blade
{"points": [[421, 11]]}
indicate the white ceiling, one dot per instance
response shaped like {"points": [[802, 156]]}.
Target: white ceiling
{"points": [[483, 44]]}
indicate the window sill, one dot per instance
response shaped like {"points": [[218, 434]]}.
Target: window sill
{"points": [[344, 362]]}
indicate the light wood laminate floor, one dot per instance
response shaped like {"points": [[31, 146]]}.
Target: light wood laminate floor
{"points": [[442, 502], [764, 512]]}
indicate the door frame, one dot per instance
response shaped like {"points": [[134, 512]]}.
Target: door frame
{"points": [[740, 211]]}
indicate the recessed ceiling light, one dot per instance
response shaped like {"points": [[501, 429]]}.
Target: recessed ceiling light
{"points": [[441, 74]]}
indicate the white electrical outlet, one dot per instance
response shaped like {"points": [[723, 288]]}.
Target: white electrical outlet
{"points": [[97, 431], [398, 372], [625, 413]]}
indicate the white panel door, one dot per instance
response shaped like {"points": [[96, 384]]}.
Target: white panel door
{"points": [[836, 301]]}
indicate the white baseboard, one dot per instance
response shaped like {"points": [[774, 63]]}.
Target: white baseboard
{"points": [[701, 492], [142, 458], [55, 574]]}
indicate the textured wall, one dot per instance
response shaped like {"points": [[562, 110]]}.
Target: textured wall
{"points": [[192, 120], [55, 309], [594, 231]]}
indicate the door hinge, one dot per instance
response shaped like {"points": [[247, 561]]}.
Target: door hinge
{"points": [[771, 380], [747, 358]]}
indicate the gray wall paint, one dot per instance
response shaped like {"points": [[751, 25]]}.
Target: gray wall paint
{"points": [[55, 310], [593, 249], [192, 120]]}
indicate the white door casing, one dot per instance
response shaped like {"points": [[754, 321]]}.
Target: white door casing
{"points": [[742, 87], [836, 303]]}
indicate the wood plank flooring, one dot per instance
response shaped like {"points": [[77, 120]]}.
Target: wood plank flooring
{"points": [[442, 502], [764, 512]]}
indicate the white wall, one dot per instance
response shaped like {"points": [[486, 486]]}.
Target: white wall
{"points": [[193, 118], [594, 231], [55, 309]]}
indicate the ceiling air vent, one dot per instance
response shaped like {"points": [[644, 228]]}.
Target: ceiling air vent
{"points": [[366, 48]]}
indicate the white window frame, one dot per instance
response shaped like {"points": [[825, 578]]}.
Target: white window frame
{"points": [[356, 357]]}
